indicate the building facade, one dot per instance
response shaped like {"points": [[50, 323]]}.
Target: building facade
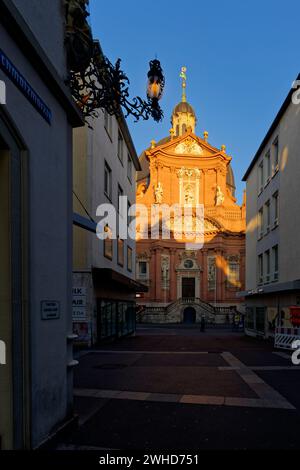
{"points": [[185, 284], [36, 121], [104, 287], [273, 218]]}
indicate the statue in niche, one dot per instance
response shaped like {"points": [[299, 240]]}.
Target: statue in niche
{"points": [[219, 196], [188, 195], [211, 275], [141, 190], [165, 268], [158, 193]]}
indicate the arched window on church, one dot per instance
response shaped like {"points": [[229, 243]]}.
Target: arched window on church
{"points": [[177, 130], [183, 128], [143, 269], [233, 272]]}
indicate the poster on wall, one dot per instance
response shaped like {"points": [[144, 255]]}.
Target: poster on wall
{"points": [[81, 326], [79, 304], [82, 330], [295, 316]]}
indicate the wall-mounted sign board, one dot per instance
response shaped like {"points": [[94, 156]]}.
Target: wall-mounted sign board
{"points": [[50, 309], [25, 88]]}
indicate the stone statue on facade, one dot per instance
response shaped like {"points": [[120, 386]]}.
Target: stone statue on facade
{"points": [[158, 193], [165, 268], [219, 196], [188, 195]]}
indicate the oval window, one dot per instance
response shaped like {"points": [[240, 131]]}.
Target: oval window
{"points": [[188, 264]]}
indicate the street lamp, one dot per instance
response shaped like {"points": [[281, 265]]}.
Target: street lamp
{"points": [[155, 88]]}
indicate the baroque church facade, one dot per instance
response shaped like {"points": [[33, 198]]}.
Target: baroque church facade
{"points": [[185, 284]]}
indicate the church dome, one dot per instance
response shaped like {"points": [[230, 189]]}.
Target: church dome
{"points": [[230, 181], [184, 107]]}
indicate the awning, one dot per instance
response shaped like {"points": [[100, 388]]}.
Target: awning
{"points": [[105, 275]]}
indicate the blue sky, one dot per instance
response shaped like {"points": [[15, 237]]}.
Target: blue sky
{"points": [[242, 57]]}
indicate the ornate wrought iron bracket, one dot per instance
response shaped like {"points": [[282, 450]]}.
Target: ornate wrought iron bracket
{"points": [[97, 84]]}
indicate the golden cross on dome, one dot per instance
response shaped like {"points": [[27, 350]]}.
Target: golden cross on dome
{"points": [[183, 76]]}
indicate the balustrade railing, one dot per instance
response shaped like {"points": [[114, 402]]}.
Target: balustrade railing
{"points": [[189, 301]]}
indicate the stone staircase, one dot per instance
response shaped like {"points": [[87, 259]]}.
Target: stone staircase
{"points": [[170, 313]]}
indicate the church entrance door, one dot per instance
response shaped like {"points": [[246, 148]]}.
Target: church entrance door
{"points": [[189, 315], [188, 287]]}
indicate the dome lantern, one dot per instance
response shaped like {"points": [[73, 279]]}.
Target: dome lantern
{"points": [[183, 116]]}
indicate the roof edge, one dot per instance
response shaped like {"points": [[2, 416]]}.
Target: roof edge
{"points": [[273, 126]]}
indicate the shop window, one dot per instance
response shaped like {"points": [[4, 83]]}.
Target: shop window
{"points": [[260, 269], [249, 318], [260, 319]]}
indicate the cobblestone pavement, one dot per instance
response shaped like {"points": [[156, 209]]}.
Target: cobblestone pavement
{"points": [[177, 388]]}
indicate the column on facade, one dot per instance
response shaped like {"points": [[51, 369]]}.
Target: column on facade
{"points": [[242, 269], [199, 258], [204, 284], [152, 274], [173, 277], [203, 175], [220, 275], [223, 276], [158, 280]]}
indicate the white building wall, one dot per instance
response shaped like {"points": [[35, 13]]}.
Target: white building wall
{"points": [[103, 147], [251, 231], [44, 18], [49, 217], [289, 202], [286, 182]]}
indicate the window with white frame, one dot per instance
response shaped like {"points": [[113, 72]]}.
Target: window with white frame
{"points": [[120, 194], [260, 223], [276, 208], [260, 269], [267, 265], [107, 180], [268, 216], [275, 155], [129, 167], [108, 123], [129, 259], [268, 166], [261, 176], [120, 147], [275, 263], [120, 246]]}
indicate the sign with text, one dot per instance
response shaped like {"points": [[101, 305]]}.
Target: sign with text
{"points": [[25, 88], [79, 304], [50, 309]]}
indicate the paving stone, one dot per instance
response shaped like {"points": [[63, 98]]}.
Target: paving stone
{"points": [[202, 400], [164, 397]]}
